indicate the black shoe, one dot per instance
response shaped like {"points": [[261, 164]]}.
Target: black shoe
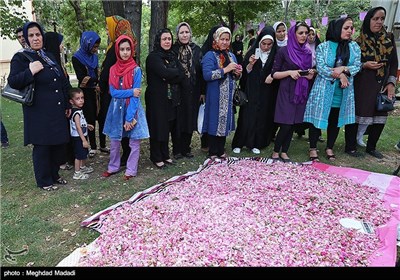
{"points": [[375, 153], [354, 153], [188, 155], [178, 156]]}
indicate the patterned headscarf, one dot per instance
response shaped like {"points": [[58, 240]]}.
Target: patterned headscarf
{"points": [[374, 46], [223, 54], [118, 26], [185, 54], [41, 53], [84, 54]]}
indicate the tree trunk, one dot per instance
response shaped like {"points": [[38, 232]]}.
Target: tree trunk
{"points": [[76, 4], [133, 13], [159, 16], [231, 16], [113, 8]]}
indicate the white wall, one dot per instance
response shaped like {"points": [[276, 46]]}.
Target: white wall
{"points": [[9, 47]]}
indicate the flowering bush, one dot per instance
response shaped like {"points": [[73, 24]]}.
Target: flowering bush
{"points": [[244, 214]]}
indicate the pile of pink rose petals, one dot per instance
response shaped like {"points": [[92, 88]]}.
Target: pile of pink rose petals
{"points": [[244, 214]]}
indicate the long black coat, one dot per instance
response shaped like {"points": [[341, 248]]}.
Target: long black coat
{"points": [[45, 122], [158, 106], [256, 118], [190, 90]]}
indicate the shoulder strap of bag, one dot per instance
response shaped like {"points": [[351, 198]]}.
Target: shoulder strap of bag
{"points": [[27, 56]]}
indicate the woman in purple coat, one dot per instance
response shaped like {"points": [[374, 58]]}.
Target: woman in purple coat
{"points": [[294, 87]]}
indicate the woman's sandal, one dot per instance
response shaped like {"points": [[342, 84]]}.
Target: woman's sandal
{"points": [[61, 181], [313, 158], [331, 157], [159, 165], [50, 188], [169, 161]]}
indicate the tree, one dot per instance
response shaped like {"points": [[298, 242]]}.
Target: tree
{"points": [[76, 4], [133, 13], [112, 8], [202, 15], [159, 16], [13, 15]]}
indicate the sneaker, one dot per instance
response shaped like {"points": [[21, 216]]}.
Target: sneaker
{"points": [[236, 150], [375, 153], [5, 145], [78, 175], [360, 142], [397, 146], [86, 169], [255, 151]]}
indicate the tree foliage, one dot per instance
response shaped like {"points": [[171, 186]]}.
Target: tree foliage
{"points": [[202, 15], [13, 15]]}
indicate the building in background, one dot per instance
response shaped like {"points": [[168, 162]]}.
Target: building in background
{"points": [[8, 47]]}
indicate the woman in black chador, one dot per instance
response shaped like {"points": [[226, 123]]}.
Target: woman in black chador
{"points": [[256, 118]]}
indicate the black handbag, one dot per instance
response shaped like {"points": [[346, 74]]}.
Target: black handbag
{"points": [[239, 97], [383, 103], [23, 96]]}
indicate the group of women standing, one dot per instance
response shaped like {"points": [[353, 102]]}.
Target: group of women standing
{"points": [[278, 74]]}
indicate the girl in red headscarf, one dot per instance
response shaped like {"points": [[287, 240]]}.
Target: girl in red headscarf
{"points": [[125, 116]]}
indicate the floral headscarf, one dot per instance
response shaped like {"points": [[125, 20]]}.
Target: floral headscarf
{"points": [[374, 46]]}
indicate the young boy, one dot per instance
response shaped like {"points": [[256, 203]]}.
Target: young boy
{"points": [[79, 132]]}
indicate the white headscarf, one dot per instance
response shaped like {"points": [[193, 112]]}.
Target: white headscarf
{"points": [[283, 42], [264, 55]]}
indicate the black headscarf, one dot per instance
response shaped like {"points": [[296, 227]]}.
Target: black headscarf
{"points": [[334, 33], [52, 41], [375, 46], [40, 52], [208, 44], [171, 61], [166, 54]]}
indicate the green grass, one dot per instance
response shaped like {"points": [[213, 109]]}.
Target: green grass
{"points": [[49, 222]]}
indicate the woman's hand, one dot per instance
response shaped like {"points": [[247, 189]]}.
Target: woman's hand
{"points": [[269, 79], [137, 92], [373, 65], [337, 71], [391, 90], [252, 59], [90, 127], [238, 70], [294, 74], [344, 81], [202, 98], [231, 66], [35, 67]]}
